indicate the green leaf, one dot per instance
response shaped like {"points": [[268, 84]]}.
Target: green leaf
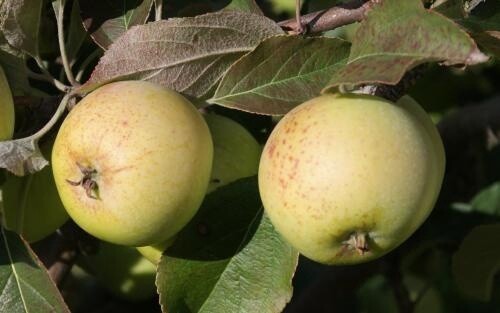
{"points": [[399, 35], [188, 54], [76, 33], [244, 5], [228, 259], [20, 23], [281, 73], [108, 20], [487, 201], [477, 261], [377, 296], [14, 65], [483, 22], [25, 284]]}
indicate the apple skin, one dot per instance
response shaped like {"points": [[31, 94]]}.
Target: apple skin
{"points": [[347, 178], [153, 253], [37, 195], [6, 109], [236, 152], [236, 155], [147, 151], [123, 271]]}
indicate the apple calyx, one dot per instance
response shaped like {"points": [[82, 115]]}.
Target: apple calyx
{"points": [[358, 241], [87, 182]]}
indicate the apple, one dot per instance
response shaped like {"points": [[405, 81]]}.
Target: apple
{"points": [[236, 155], [132, 162], [123, 271], [31, 204], [347, 178], [236, 152], [6, 109], [153, 253]]}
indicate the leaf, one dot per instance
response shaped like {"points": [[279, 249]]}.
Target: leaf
{"points": [[76, 33], [186, 54], [108, 20], [483, 23], [21, 156], [228, 259], [20, 23], [14, 65], [487, 201], [477, 261], [281, 73], [25, 284], [244, 5], [399, 35]]}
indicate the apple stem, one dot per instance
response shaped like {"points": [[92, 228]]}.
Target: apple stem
{"points": [[87, 182], [359, 242]]}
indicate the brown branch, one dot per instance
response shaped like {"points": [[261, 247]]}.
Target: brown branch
{"points": [[343, 14], [60, 251]]}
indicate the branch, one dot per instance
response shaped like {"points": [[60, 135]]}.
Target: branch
{"points": [[158, 9], [90, 58], [395, 280], [343, 14], [60, 251], [48, 77], [394, 92], [62, 46]]}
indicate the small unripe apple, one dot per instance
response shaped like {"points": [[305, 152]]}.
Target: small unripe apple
{"points": [[31, 204], [236, 155], [153, 253], [123, 271], [236, 152], [6, 109], [132, 162], [347, 178]]}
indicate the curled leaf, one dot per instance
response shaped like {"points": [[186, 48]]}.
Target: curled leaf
{"points": [[21, 156]]}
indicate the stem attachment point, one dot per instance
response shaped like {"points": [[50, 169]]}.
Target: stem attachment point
{"points": [[359, 242], [87, 182]]}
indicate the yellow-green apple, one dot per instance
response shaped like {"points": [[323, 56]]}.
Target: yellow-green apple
{"points": [[123, 271], [153, 253], [347, 178], [132, 162], [31, 204], [236, 155], [6, 109], [236, 152]]}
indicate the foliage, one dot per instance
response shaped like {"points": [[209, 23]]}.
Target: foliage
{"points": [[233, 54]]}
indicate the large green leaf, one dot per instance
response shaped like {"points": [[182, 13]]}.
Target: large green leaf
{"points": [[186, 54], [399, 35], [25, 284], [228, 259], [108, 20], [477, 261], [282, 72]]}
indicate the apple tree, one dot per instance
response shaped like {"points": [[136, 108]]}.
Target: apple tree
{"points": [[140, 167]]}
